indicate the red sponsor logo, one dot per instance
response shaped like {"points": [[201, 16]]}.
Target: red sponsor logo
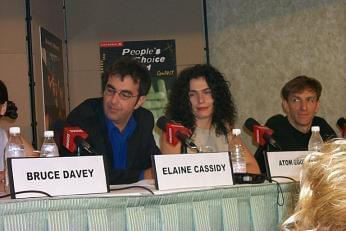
{"points": [[111, 44]]}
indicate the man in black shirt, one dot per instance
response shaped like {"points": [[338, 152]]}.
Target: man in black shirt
{"points": [[300, 102], [118, 127]]}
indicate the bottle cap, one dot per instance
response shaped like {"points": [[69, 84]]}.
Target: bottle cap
{"points": [[236, 131], [315, 128], [48, 133], [14, 130]]}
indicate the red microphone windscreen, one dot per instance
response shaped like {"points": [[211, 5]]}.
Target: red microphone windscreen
{"points": [[171, 130], [70, 133], [259, 131]]}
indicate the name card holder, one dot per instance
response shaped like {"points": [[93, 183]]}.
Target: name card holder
{"points": [[286, 164], [177, 171], [57, 176]]}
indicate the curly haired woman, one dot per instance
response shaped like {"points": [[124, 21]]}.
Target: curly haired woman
{"points": [[201, 101]]}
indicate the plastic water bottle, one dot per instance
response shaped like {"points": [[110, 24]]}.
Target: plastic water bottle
{"points": [[49, 147], [316, 141], [14, 148], [237, 153]]}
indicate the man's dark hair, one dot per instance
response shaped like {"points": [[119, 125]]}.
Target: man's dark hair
{"points": [[299, 84], [129, 66], [11, 110], [179, 107]]}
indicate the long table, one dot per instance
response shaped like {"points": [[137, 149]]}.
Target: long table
{"points": [[241, 207]]}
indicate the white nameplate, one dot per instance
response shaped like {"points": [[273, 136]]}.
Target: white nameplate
{"points": [[57, 176], [192, 170], [288, 164]]}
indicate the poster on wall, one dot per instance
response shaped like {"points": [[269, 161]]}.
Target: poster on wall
{"points": [[157, 55], [52, 78]]}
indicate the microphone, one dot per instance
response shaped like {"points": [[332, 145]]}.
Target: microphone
{"points": [[261, 134], [74, 137], [175, 131], [342, 125]]}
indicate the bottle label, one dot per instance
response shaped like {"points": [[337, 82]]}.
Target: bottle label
{"points": [[49, 150]]}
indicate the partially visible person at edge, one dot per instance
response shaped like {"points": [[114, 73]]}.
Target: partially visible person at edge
{"points": [[118, 127], [322, 199], [201, 101], [300, 102], [8, 109]]}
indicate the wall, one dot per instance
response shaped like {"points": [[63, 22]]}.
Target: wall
{"points": [[13, 63], [260, 45], [108, 20], [14, 57]]}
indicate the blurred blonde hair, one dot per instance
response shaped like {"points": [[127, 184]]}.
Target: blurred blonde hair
{"points": [[322, 199]]}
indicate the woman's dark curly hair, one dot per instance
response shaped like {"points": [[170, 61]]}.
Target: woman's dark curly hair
{"points": [[179, 106], [11, 110]]}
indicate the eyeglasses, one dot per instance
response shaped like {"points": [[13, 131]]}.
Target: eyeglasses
{"points": [[124, 95]]}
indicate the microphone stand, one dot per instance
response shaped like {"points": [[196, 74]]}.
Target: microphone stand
{"points": [[183, 148], [266, 163], [265, 156]]}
